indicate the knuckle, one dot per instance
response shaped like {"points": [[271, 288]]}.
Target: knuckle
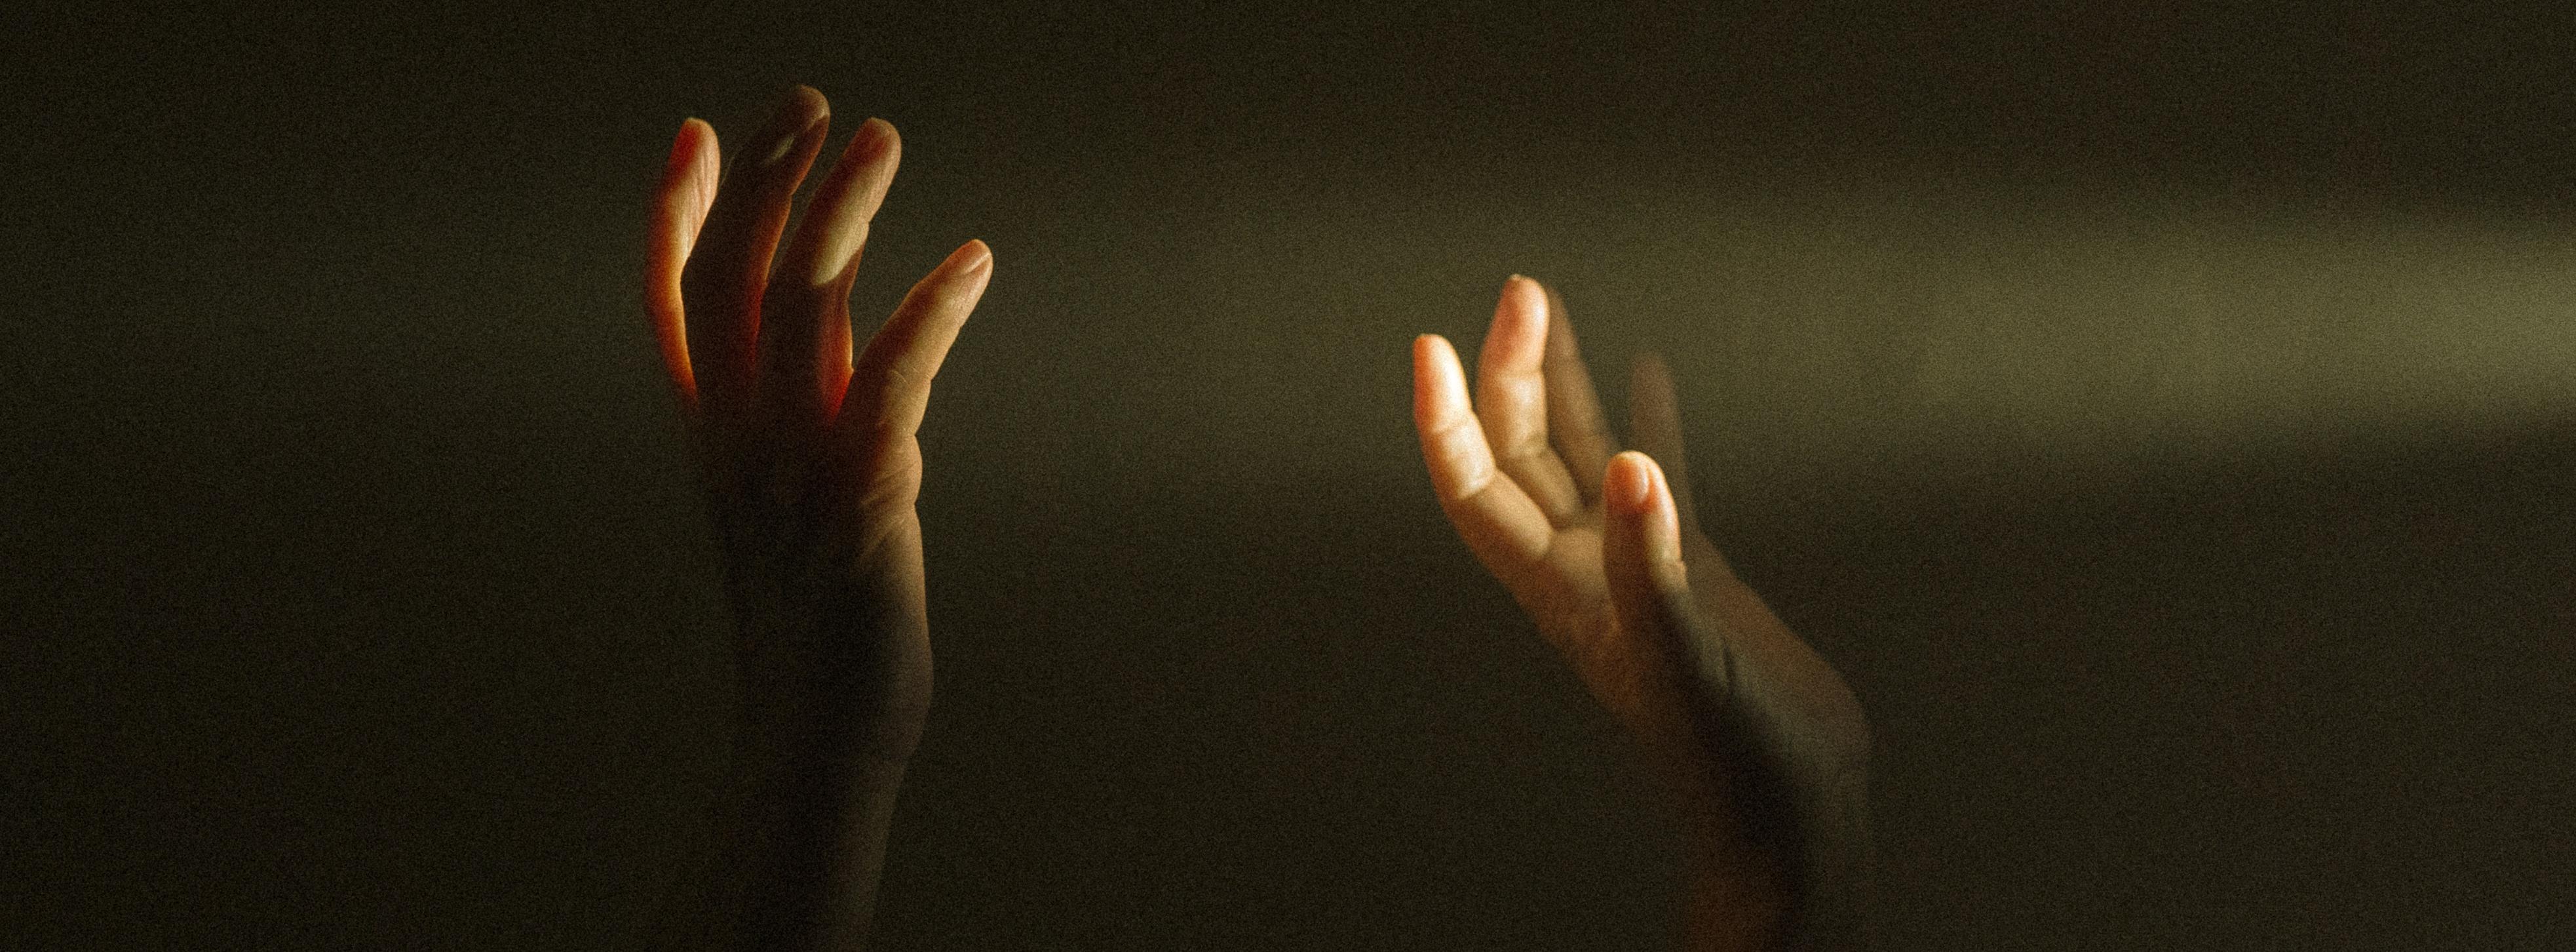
{"points": [[891, 477], [897, 378]]}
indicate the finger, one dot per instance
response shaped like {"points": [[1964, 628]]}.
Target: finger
{"points": [[728, 269], [805, 328], [1511, 400], [1642, 556], [1654, 425], [679, 208], [890, 384], [1499, 523], [1574, 420]]}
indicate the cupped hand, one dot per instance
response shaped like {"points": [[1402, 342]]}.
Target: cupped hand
{"points": [[806, 449], [1764, 743]]}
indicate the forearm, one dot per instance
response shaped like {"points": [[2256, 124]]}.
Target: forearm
{"points": [[1799, 878], [1843, 868], [809, 461], [1795, 800], [798, 841], [799, 827]]}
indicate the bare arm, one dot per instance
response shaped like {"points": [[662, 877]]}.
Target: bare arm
{"points": [[808, 459], [1760, 741]]}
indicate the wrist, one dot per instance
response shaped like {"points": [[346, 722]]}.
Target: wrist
{"points": [[778, 743], [799, 834], [855, 689], [1774, 862]]}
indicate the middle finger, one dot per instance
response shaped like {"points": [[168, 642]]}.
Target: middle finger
{"points": [[1511, 401], [805, 345], [721, 284]]}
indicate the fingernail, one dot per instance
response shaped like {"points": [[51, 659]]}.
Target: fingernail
{"points": [[1627, 484], [975, 256], [784, 129], [870, 141], [786, 144], [1663, 536]]}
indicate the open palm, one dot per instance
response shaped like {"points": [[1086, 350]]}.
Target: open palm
{"points": [[807, 454], [806, 450], [1760, 736]]}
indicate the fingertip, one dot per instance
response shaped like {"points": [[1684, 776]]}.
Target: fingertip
{"points": [[1524, 294], [973, 257], [688, 144], [1516, 341], [804, 99], [689, 176], [796, 128], [1437, 379], [1642, 506], [1629, 482], [1648, 366], [804, 113], [706, 158], [1429, 348], [874, 140]]}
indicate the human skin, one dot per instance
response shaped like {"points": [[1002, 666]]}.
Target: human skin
{"points": [[1763, 747], [809, 464], [806, 454]]}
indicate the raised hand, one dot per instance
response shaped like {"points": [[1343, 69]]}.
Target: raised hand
{"points": [[808, 459], [1763, 744]]}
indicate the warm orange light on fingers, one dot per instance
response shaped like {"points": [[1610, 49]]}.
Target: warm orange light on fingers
{"points": [[688, 188]]}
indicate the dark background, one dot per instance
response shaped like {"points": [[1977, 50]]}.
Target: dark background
{"points": [[2160, 412]]}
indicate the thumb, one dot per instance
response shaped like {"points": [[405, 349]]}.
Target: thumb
{"points": [[1641, 552]]}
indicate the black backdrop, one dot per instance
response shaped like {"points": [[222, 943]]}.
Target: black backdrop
{"points": [[2160, 411]]}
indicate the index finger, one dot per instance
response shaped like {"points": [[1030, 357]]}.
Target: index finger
{"points": [[728, 270], [889, 387], [804, 346], [1499, 522], [1512, 400]]}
